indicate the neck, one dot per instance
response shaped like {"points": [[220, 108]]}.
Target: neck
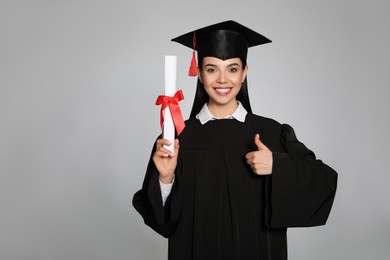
{"points": [[221, 111]]}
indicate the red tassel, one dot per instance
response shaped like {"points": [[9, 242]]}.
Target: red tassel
{"points": [[193, 72], [194, 67]]}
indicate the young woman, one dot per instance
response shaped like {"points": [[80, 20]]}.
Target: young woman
{"points": [[235, 181]]}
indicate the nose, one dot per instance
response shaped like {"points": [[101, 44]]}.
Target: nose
{"points": [[221, 78]]}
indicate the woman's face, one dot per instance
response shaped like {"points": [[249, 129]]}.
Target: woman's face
{"points": [[222, 81]]}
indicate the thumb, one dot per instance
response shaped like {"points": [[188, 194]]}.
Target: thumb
{"points": [[176, 146], [259, 144]]}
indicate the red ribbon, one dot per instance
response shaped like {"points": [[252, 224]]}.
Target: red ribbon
{"points": [[173, 104]]}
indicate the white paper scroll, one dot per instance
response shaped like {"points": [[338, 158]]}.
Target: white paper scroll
{"points": [[170, 89]]}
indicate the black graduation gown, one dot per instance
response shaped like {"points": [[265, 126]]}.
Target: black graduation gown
{"points": [[219, 209]]}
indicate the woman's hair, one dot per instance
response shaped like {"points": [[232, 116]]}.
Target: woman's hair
{"points": [[201, 96]]}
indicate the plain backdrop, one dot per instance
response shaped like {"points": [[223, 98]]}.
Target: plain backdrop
{"points": [[78, 82]]}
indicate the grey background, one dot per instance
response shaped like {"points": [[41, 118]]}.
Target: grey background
{"points": [[77, 117]]}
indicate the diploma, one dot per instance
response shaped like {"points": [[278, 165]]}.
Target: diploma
{"points": [[170, 89], [170, 113]]}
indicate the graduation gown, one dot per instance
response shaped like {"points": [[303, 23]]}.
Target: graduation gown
{"points": [[219, 209]]}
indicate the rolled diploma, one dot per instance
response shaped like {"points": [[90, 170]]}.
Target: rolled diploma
{"points": [[170, 89]]}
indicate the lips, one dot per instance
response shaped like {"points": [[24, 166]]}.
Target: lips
{"points": [[222, 91]]}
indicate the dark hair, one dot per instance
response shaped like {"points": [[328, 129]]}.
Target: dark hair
{"points": [[201, 96]]}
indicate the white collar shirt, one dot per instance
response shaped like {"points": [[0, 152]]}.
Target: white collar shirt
{"points": [[204, 114]]}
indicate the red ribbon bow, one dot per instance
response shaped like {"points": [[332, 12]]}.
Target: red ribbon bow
{"points": [[173, 104]]}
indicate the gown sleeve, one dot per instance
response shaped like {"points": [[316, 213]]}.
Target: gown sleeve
{"points": [[301, 188], [148, 203]]}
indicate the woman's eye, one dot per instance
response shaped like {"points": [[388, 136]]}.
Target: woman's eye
{"points": [[210, 70], [233, 70]]}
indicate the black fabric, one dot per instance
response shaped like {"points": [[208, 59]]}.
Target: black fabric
{"points": [[219, 209], [253, 38], [222, 44], [224, 40]]}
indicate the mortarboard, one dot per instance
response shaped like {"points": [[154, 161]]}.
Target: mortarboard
{"points": [[223, 40]]}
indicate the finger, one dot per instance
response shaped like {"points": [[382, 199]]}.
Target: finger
{"points": [[176, 146], [161, 154], [253, 169], [165, 150], [249, 162], [250, 159], [249, 155], [259, 144], [162, 142]]}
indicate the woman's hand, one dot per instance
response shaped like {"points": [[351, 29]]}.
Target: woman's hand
{"points": [[165, 160], [260, 161]]}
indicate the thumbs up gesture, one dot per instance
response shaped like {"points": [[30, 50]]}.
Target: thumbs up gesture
{"points": [[260, 161]]}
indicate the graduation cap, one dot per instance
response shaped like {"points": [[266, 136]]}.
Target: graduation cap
{"points": [[223, 40]]}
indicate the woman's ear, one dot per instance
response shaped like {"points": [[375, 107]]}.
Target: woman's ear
{"points": [[200, 75], [244, 73]]}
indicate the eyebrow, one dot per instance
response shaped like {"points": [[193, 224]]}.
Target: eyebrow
{"points": [[213, 65]]}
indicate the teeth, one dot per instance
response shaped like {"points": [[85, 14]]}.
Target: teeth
{"points": [[223, 90]]}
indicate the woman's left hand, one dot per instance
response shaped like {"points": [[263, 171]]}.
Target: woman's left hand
{"points": [[260, 161]]}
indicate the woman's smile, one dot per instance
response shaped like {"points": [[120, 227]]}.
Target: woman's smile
{"points": [[223, 91]]}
